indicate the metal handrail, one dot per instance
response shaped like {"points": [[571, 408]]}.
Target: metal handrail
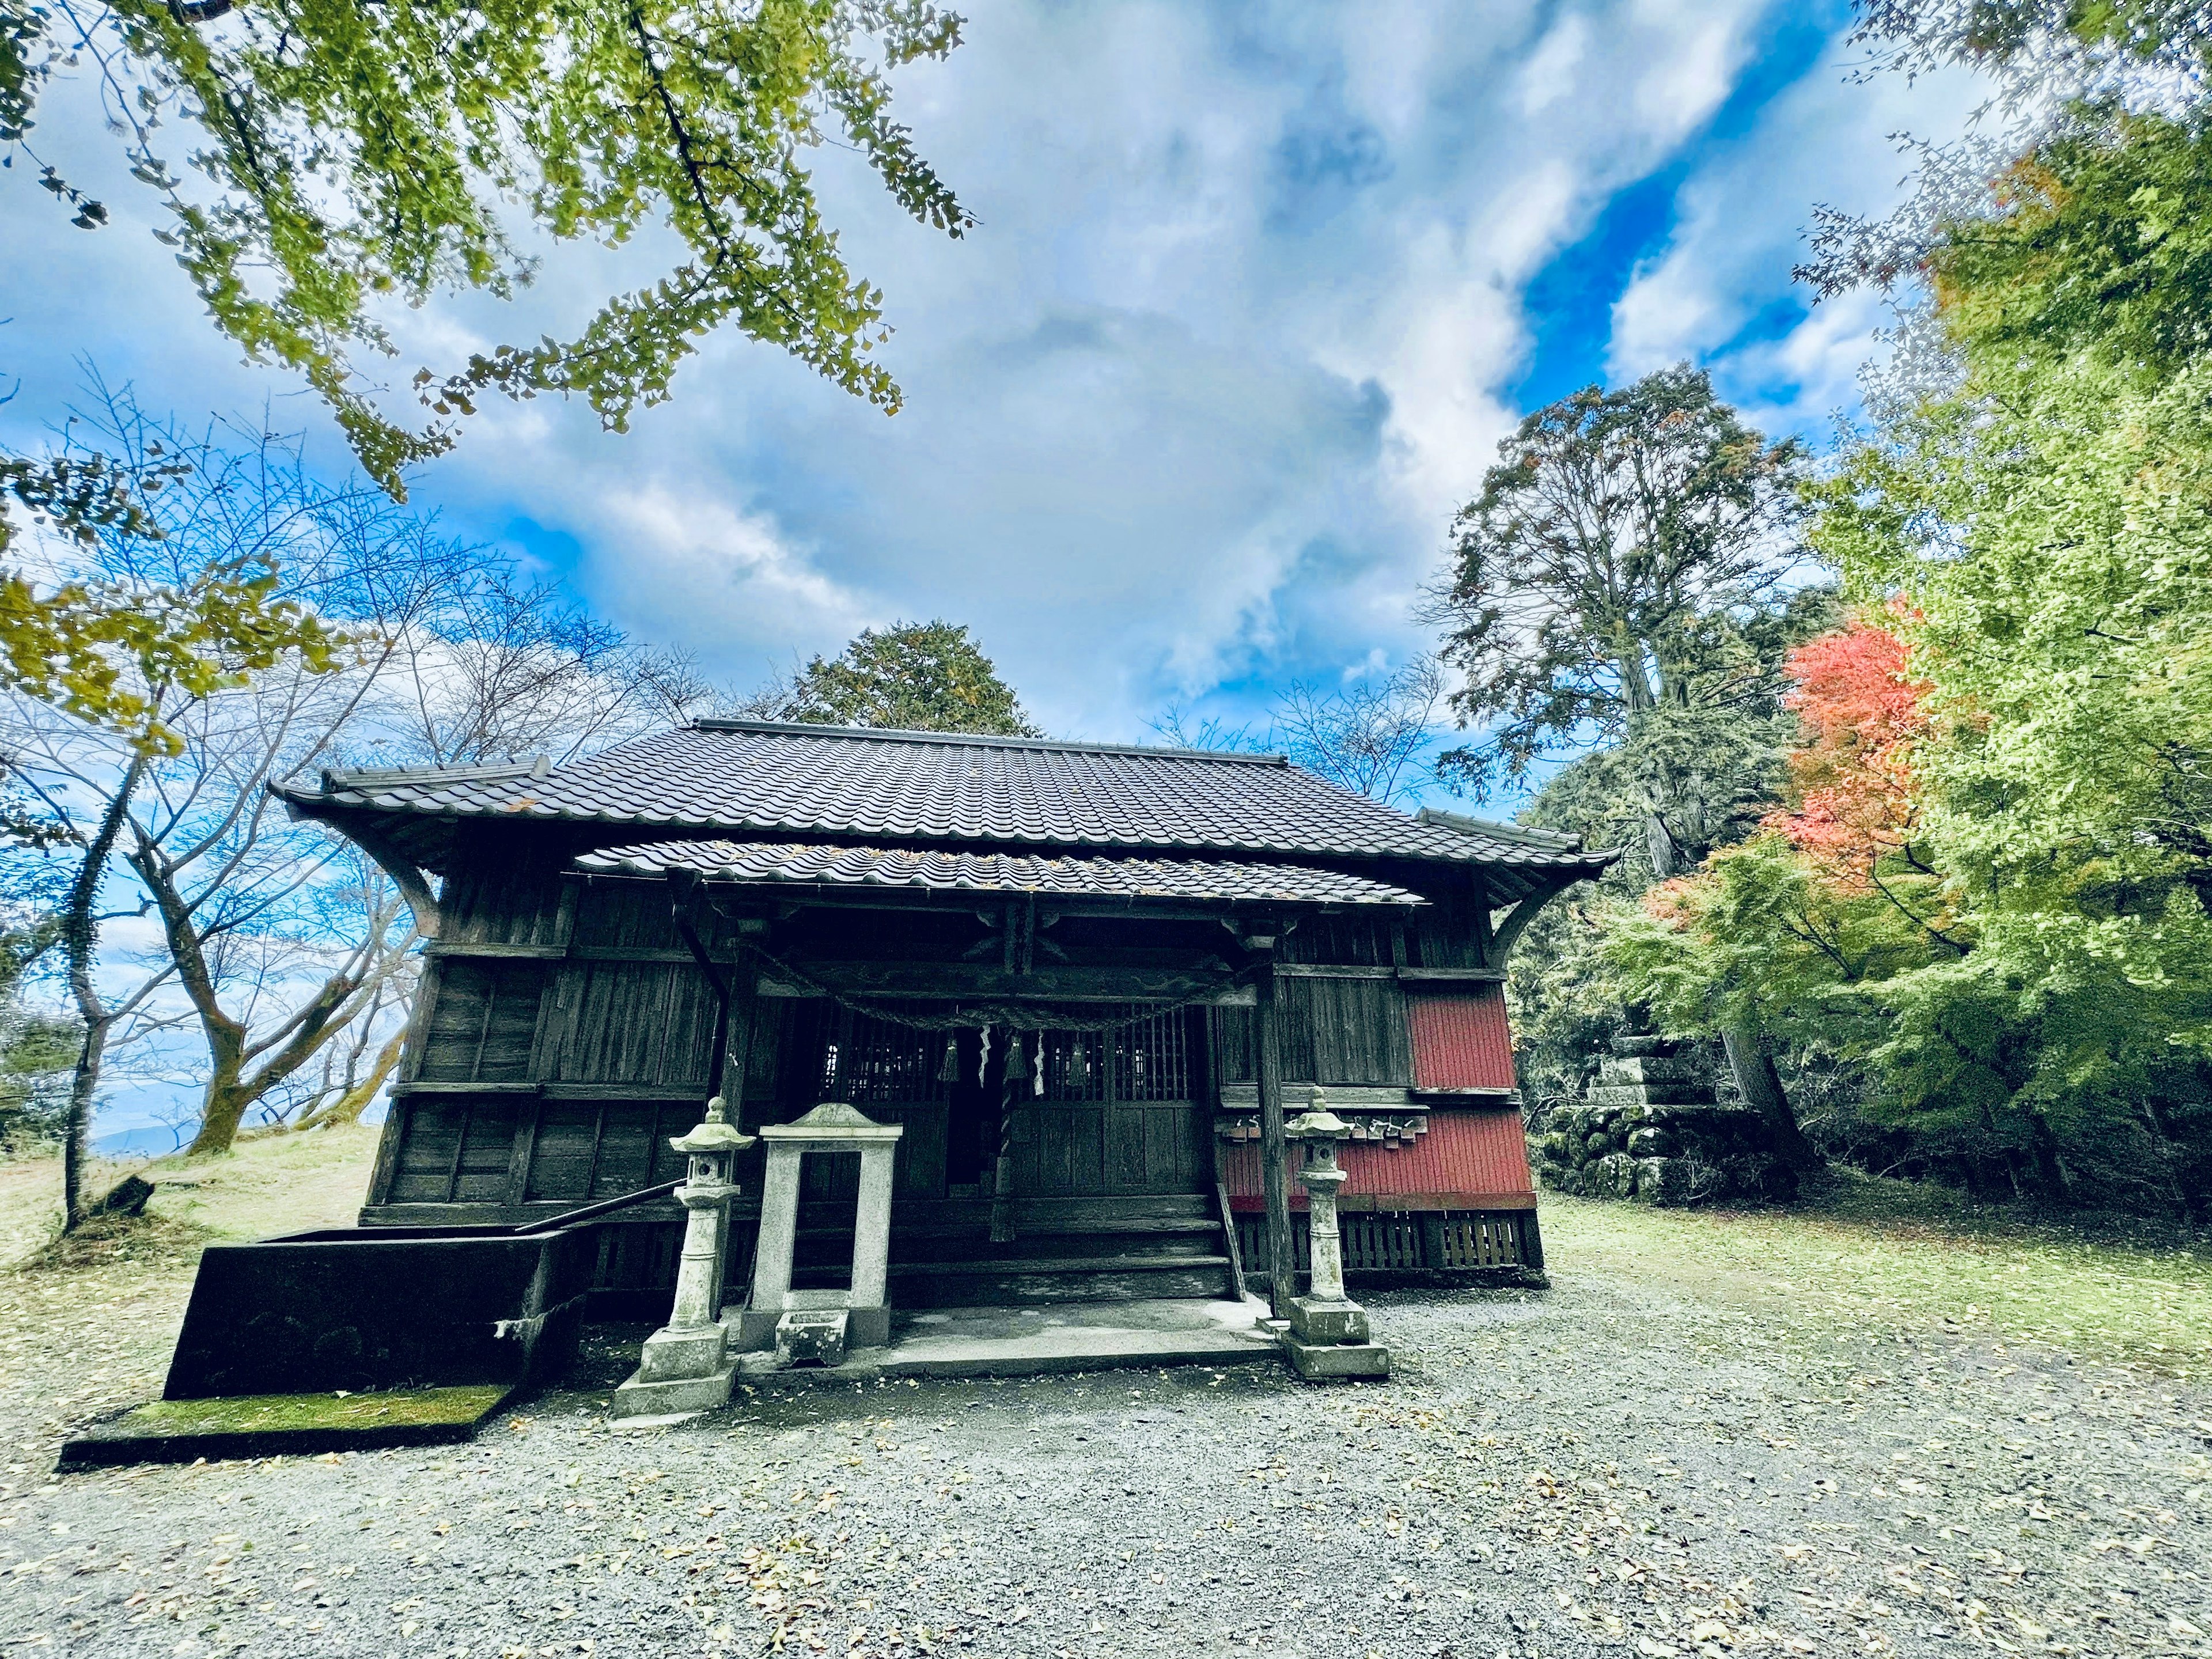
{"points": [[605, 1206]]}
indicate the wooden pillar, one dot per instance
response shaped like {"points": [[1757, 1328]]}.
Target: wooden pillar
{"points": [[1282, 1268], [1532, 1240], [728, 1059]]}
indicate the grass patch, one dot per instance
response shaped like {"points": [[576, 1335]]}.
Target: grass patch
{"points": [[109, 1241], [264, 1413], [268, 1185], [1888, 1255]]}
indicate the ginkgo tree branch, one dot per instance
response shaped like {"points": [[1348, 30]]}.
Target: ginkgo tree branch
{"points": [[352, 157]]}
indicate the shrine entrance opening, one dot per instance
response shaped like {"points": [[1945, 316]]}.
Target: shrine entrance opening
{"points": [[1118, 1112]]}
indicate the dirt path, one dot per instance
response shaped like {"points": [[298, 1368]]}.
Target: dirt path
{"points": [[1655, 1460]]}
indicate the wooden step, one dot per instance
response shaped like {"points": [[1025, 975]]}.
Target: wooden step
{"points": [[1039, 1214], [1098, 1245], [1060, 1264], [1017, 1281], [1045, 1227], [1031, 1226], [835, 1259]]}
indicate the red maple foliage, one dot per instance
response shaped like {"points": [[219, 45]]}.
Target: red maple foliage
{"points": [[1863, 714]]}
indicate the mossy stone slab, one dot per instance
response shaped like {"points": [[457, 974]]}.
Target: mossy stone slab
{"points": [[278, 1425]]}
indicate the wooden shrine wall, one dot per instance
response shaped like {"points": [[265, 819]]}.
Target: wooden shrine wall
{"points": [[561, 1039], [562, 1034], [1329, 1030]]}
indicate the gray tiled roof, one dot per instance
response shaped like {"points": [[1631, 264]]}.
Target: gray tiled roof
{"points": [[997, 872], [1491, 832], [758, 779]]}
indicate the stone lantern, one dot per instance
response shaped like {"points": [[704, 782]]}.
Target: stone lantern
{"points": [[1328, 1334], [686, 1366]]}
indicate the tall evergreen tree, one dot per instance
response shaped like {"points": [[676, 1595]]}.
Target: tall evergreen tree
{"points": [[1616, 587], [913, 677]]}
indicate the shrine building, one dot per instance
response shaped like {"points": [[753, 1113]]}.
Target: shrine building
{"points": [[1062, 967]]}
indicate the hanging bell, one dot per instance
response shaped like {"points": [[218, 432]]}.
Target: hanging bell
{"points": [[948, 1070]]}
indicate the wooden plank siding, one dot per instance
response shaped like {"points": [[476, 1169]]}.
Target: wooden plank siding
{"points": [[1346, 941], [1350, 1031], [483, 1022], [547, 1079]]}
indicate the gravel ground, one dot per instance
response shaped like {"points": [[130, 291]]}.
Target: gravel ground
{"points": [[1610, 1465]]}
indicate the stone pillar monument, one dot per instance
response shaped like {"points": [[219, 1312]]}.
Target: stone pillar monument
{"points": [[1328, 1335], [686, 1366], [817, 1325]]}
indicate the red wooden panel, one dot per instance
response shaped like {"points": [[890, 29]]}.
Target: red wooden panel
{"points": [[1460, 1039], [1478, 1158]]}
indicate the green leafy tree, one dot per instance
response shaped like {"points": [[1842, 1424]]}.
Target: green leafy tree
{"points": [[2069, 78], [2023, 963], [1600, 590], [912, 677], [2047, 530], [343, 158], [2101, 240], [1619, 587]]}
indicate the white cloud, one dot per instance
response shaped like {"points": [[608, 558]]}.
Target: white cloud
{"points": [[1740, 222], [1191, 407], [693, 570], [1549, 73], [1689, 55]]}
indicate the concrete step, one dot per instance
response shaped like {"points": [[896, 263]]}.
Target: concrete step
{"points": [[1059, 1351], [1006, 1341]]}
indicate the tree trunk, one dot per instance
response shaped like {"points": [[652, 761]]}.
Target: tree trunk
{"points": [[1761, 1087], [2049, 1163], [1659, 841], [228, 1095], [80, 930], [349, 1106], [77, 1137]]}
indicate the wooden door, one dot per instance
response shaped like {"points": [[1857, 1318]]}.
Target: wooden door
{"points": [[1119, 1115]]}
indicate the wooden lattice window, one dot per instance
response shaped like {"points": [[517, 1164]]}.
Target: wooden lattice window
{"points": [[1146, 1060], [866, 1060]]}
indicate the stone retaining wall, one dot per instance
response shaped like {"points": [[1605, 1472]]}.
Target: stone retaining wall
{"points": [[1653, 1131]]}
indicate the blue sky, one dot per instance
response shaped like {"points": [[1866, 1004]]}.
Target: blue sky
{"points": [[1256, 292]]}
